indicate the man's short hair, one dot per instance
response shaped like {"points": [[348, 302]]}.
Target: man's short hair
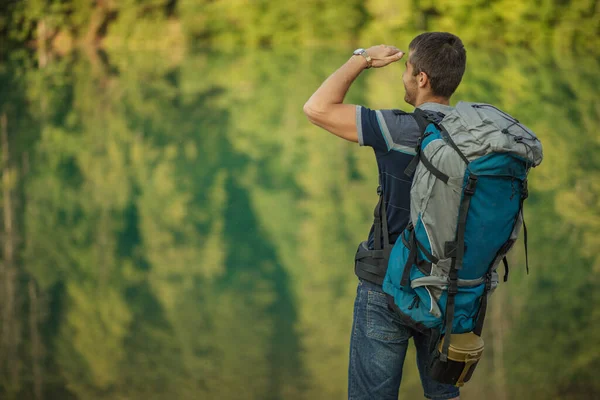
{"points": [[442, 56]]}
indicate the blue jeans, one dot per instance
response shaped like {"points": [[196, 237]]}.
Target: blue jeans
{"points": [[378, 347]]}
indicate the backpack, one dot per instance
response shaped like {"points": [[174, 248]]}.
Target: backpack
{"points": [[468, 189]]}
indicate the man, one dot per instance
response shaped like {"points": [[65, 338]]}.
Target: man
{"points": [[435, 66]]}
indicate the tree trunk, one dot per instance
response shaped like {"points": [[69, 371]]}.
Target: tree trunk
{"points": [[8, 272], [36, 342], [42, 43]]}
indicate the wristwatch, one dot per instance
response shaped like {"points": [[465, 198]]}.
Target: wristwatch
{"points": [[363, 52]]}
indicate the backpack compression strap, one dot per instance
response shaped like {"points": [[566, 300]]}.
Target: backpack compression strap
{"points": [[457, 261], [524, 197]]}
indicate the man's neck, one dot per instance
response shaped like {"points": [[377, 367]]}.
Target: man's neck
{"points": [[432, 99]]}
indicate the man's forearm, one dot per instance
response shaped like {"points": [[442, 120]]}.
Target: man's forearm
{"points": [[334, 89]]}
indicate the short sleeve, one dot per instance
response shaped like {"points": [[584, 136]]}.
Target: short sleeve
{"points": [[369, 130], [386, 130]]}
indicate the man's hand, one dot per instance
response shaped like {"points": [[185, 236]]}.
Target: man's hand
{"points": [[383, 55]]}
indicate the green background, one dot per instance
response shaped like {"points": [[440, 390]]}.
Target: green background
{"points": [[174, 228]]}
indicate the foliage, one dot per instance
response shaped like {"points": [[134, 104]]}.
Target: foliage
{"points": [[536, 25]]}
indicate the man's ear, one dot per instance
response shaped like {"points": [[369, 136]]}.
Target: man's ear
{"points": [[422, 79]]}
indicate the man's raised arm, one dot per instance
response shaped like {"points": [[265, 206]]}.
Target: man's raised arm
{"points": [[325, 107]]}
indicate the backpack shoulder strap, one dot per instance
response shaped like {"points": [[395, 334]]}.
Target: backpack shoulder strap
{"points": [[422, 119]]}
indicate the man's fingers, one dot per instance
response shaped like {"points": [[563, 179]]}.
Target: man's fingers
{"points": [[395, 57], [383, 55], [394, 49]]}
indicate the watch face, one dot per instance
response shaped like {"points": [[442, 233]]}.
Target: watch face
{"points": [[358, 52]]}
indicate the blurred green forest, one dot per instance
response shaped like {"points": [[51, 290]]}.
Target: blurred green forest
{"points": [[539, 25], [172, 226]]}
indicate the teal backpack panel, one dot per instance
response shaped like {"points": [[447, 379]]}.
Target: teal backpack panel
{"points": [[493, 210]]}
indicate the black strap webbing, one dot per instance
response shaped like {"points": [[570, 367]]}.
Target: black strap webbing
{"points": [[462, 220], [412, 166], [376, 278], [377, 268], [430, 257], [444, 133], [412, 259], [385, 234], [483, 306], [377, 217], [524, 196], [371, 265], [505, 262], [481, 316], [380, 223], [425, 267], [457, 261], [406, 242], [422, 119], [525, 241], [438, 174], [364, 253], [452, 290]]}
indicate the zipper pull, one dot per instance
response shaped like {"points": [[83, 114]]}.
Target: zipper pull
{"points": [[414, 302]]}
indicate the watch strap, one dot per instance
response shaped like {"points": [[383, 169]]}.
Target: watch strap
{"points": [[366, 56]]}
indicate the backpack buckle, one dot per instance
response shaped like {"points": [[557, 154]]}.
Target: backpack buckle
{"points": [[471, 185], [419, 143], [488, 283], [453, 286]]}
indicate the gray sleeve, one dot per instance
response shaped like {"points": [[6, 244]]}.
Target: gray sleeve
{"points": [[400, 130], [361, 140]]}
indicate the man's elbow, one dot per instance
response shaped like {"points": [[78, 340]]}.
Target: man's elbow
{"points": [[310, 112]]}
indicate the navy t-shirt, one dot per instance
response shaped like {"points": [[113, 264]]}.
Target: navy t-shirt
{"points": [[393, 136]]}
